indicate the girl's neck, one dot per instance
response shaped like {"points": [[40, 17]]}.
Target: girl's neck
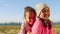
{"points": [[45, 21]]}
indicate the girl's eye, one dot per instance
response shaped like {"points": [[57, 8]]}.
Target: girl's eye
{"points": [[43, 11]]}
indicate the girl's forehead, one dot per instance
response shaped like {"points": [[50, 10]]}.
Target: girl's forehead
{"points": [[46, 8], [30, 12]]}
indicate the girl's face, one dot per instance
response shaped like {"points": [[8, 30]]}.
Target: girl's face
{"points": [[30, 18], [45, 13]]}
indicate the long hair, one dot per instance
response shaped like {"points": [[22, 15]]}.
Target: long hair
{"points": [[45, 25]]}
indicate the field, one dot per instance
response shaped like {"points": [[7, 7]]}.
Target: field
{"points": [[15, 29], [9, 29], [56, 29]]}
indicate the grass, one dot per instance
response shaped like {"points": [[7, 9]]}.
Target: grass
{"points": [[15, 29], [56, 29], [9, 29]]}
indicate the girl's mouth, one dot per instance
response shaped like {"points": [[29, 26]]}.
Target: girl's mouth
{"points": [[46, 16]]}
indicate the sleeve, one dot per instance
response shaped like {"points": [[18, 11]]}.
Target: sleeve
{"points": [[36, 29], [51, 30], [22, 30]]}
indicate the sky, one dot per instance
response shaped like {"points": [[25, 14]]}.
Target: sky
{"points": [[13, 10]]}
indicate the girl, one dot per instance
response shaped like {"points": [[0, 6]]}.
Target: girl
{"points": [[30, 17], [42, 25]]}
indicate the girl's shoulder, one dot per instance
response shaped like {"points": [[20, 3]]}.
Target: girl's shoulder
{"points": [[37, 23], [23, 29], [38, 20], [51, 22], [23, 26]]}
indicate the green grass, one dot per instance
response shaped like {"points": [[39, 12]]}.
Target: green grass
{"points": [[56, 29], [15, 29], [9, 29]]}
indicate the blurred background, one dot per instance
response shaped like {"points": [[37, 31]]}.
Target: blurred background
{"points": [[12, 14]]}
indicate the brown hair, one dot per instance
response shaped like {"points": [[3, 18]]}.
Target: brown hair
{"points": [[45, 25], [28, 9]]}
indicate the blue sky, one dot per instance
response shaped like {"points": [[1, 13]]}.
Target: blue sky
{"points": [[13, 10]]}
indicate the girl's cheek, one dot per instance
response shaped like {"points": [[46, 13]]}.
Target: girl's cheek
{"points": [[33, 20]]}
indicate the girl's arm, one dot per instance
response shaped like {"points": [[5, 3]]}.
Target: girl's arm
{"points": [[51, 30], [22, 30]]}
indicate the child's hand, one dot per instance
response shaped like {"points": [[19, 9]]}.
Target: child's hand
{"points": [[29, 32]]}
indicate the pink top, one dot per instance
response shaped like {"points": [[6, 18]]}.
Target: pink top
{"points": [[38, 28], [24, 28]]}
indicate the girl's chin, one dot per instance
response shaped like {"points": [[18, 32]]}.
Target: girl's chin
{"points": [[45, 19], [30, 22]]}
